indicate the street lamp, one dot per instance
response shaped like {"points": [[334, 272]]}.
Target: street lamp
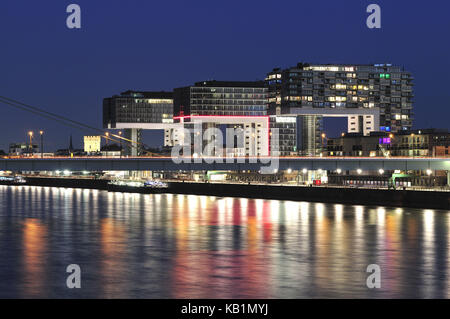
{"points": [[107, 137], [41, 133], [120, 141], [30, 134], [323, 145]]}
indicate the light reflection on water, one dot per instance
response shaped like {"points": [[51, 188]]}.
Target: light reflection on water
{"points": [[185, 246]]}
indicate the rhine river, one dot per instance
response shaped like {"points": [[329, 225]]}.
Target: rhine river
{"points": [[176, 246]]}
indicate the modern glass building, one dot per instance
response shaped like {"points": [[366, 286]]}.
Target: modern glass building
{"points": [[372, 97], [137, 107], [384, 87], [134, 111], [218, 98], [227, 104]]}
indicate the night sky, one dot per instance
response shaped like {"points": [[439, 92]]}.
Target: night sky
{"points": [[159, 45]]}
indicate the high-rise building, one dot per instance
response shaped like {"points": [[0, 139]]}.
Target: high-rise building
{"points": [[372, 98], [133, 111], [230, 104], [132, 107], [284, 135], [231, 98]]}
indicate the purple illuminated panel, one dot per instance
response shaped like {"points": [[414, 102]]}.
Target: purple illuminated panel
{"points": [[385, 140]]}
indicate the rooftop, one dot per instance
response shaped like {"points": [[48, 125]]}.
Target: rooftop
{"points": [[248, 84], [148, 94]]}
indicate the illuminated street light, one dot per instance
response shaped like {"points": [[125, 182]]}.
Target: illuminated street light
{"points": [[339, 171], [359, 171], [30, 133], [381, 171], [289, 171], [305, 171], [429, 172], [41, 133], [323, 144], [120, 141], [107, 137]]}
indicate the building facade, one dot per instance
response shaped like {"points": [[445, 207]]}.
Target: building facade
{"points": [[376, 144], [421, 143], [284, 135], [92, 144], [218, 98], [225, 104], [133, 107], [134, 111], [18, 149], [414, 143], [372, 98]]}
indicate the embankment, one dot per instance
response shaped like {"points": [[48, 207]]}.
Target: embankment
{"points": [[354, 196]]}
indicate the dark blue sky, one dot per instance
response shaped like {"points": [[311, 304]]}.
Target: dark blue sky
{"points": [[159, 45]]}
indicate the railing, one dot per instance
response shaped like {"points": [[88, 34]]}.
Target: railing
{"points": [[37, 157]]}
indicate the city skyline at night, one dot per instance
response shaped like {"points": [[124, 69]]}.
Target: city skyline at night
{"points": [[224, 159], [107, 56]]}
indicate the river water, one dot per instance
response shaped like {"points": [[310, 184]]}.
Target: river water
{"points": [[185, 246]]}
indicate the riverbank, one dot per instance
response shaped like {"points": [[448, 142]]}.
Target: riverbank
{"points": [[338, 195]]}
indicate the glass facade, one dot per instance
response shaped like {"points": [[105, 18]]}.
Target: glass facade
{"points": [[222, 98], [138, 107], [228, 101], [382, 86], [143, 110]]}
